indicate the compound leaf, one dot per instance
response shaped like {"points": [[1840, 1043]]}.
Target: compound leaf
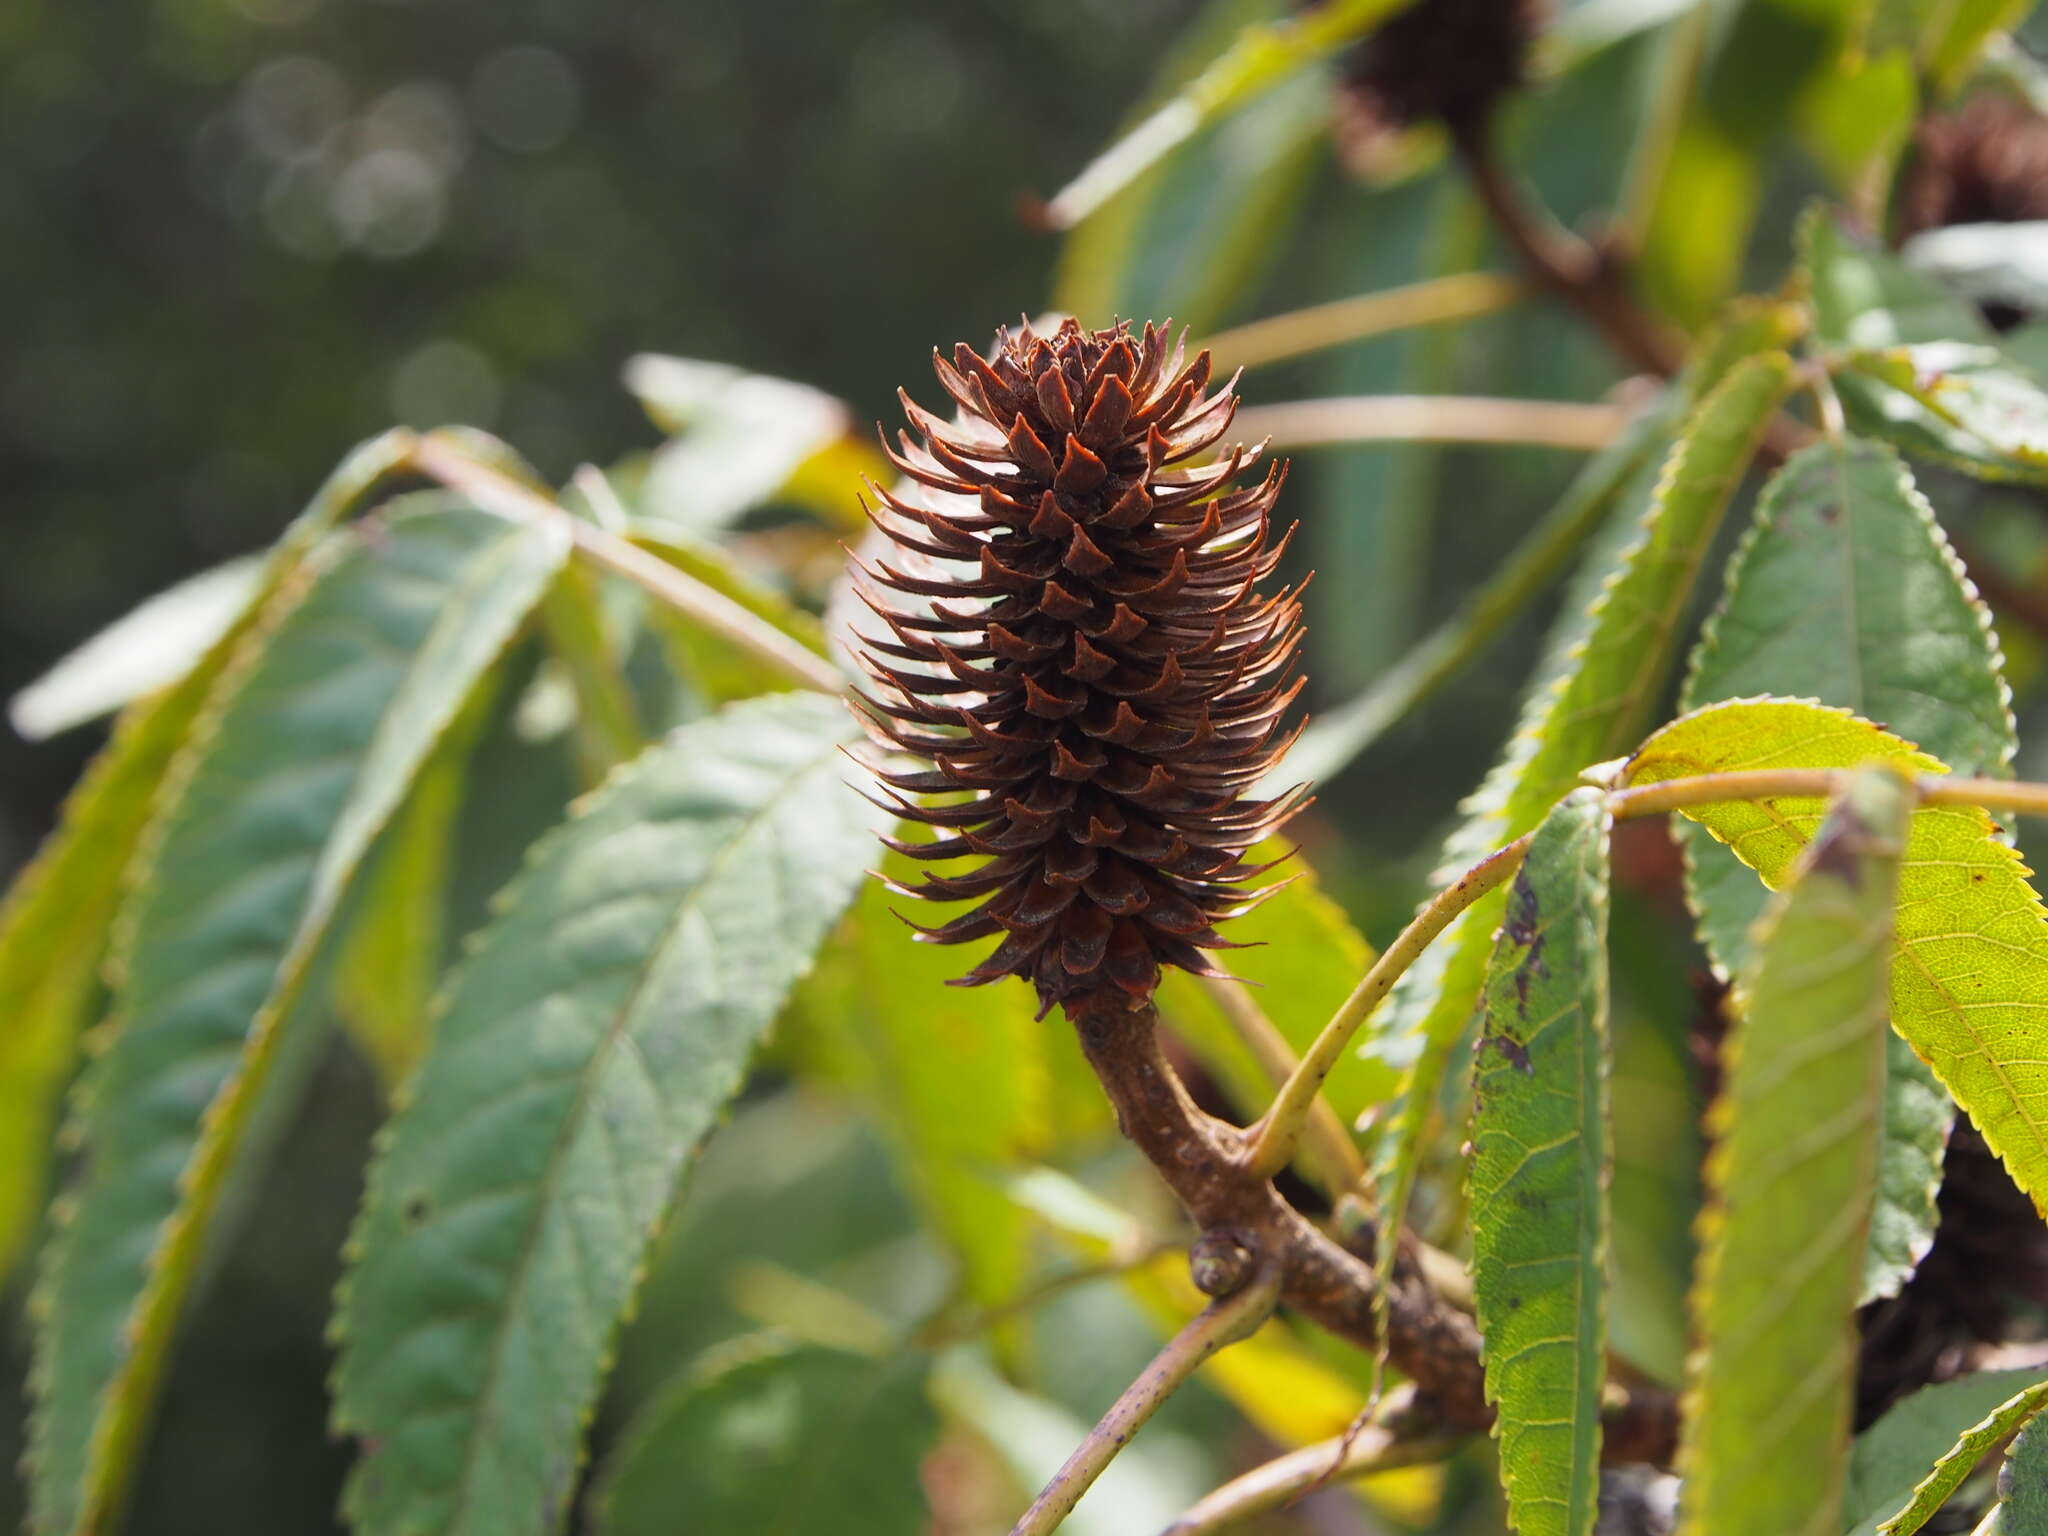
{"points": [[313, 741]]}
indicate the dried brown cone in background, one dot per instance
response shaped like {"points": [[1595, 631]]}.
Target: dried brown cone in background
{"points": [[1449, 61], [1084, 650], [1986, 163]]}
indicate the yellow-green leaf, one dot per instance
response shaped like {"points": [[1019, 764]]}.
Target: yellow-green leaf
{"points": [[1844, 559], [1969, 982], [1790, 1183]]}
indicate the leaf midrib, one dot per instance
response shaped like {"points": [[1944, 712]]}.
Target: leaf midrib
{"points": [[579, 1107]]}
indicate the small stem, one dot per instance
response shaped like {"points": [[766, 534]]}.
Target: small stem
{"points": [[1818, 784], [1335, 1154], [1433, 419], [1560, 262], [442, 460], [1222, 1323], [1378, 1447], [1434, 301], [1275, 1136]]}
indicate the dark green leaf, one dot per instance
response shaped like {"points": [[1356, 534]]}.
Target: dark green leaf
{"points": [[795, 1442], [588, 1042], [1540, 1166]]}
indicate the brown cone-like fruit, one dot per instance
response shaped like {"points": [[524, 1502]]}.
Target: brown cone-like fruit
{"points": [[1077, 641]]}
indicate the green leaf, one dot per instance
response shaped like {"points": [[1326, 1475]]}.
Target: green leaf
{"points": [[1960, 1460], [1971, 972], [1983, 414], [1258, 58], [56, 917], [580, 635], [144, 650], [1540, 1166], [1844, 559], [1789, 1184], [1890, 1457], [2023, 1481], [315, 737], [798, 1441], [390, 957], [587, 1044], [709, 661], [958, 1076], [1913, 362], [1591, 699]]}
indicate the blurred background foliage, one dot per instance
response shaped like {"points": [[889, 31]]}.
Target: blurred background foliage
{"points": [[241, 234]]}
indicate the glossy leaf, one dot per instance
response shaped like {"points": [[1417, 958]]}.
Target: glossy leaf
{"points": [[1591, 698], [1971, 972], [587, 1044], [799, 1441], [1892, 1455], [2023, 1481], [582, 637], [1845, 591], [322, 730], [1790, 1186], [1914, 364], [1539, 1173]]}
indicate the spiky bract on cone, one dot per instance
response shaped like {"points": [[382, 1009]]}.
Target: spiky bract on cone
{"points": [[1078, 642]]}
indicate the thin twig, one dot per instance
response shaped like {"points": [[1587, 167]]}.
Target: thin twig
{"points": [[1330, 1145], [1434, 301], [1378, 1447], [1560, 262], [1222, 1323], [1433, 419], [1274, 1138], [2027, 799], [440, 459]]}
